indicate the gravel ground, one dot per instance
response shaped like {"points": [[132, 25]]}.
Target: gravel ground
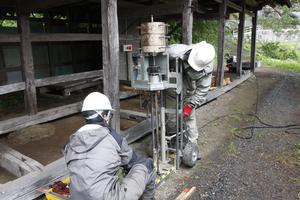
{"points": [[264, 166]]}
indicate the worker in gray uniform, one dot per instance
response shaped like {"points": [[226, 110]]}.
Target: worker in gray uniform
{"points": [[197, 75], [95, 153]]}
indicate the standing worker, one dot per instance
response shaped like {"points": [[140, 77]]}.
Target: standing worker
{"points": [[197, 75], [95, 153]]}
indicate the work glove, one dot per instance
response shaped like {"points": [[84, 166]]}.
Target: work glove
{"points": [[147, 162], [187, 111]]}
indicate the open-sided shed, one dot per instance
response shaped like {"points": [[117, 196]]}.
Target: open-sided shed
{"points": [[93, 30]]}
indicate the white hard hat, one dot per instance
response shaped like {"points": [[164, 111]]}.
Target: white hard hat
{"points": [[201, 55], [96, 101], [178, 50]]}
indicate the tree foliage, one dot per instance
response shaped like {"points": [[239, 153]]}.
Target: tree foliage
{"points": [[202, 30], [279, 18], [275, 51]]}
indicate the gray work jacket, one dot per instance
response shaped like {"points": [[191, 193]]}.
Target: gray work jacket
{"points": [[93, 156]]}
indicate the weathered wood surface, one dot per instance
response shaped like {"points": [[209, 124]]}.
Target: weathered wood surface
{"points": [[17, 163], [220, 91], [51, 81], [70, 77], [110, 56], [236, 7], [240, 40], [187, 22], [253, 42], [61, 37], [27, 65], [221, 42], [57, 37], [41, 117], [26, 186]]}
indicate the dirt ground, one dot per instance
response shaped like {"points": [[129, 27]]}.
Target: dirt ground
{"points": [[265, 166]]}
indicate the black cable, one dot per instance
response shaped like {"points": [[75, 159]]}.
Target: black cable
{"points": [[289, 128]]}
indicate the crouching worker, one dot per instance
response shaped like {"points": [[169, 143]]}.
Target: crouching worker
{"points": [[95, 153]]}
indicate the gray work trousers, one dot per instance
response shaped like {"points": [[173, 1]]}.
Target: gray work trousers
{"points": [[137, 184], [195, 91], [190, 123]]}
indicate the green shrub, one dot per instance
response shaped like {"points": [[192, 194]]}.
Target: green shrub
{"points": [[275, 51], [287, 65]]}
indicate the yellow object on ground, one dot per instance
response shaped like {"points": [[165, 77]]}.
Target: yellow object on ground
{"points": [[50, 195]]}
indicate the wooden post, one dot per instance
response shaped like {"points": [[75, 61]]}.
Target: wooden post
{"points": [[187, 22], [253, 42], [240, 40], [221, 40], [27, 64], [110, 55]]}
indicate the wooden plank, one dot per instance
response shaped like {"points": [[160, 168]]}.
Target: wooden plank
{"points": [[187, 23], [110, 55], [60, 37], [37, 5], [41, 117], [236, 7], [221, 42], [147, 11], [26, 186], [212, 95], [17, 163], [9, 38], [5, 89], [253, 43], [27, 65], [240, 40], [69, 77], [57, 37]]}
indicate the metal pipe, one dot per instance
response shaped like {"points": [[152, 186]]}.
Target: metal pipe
{"points": [[154, 154], [177, 136], [163, 127], [157, 130]]}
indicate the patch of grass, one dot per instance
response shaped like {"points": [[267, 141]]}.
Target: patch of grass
{"points": [[235, 131], [231, 149], [287, 65], [236, 117]]}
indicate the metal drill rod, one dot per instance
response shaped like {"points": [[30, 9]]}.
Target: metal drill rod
{"points": [[177, 132], [157, 130], [152, 127], [163, 127]]}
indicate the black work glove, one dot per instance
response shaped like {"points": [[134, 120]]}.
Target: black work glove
{"points": [[147, 162]]}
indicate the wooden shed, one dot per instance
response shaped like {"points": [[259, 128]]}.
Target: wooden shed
{"points": [[54, 42]]}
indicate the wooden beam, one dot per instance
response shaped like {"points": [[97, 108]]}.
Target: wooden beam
{"points": [[9, 38], [110, 55], [69, 77], [61, 37], [240, 40], [187, 22], [212, 95], [57, 37], [253, 43], [236, 7], [41, 117], [221, 41], [147, 11], [27, 64], [26, 187], [37, 5], [17, 163], [5, 89]]}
